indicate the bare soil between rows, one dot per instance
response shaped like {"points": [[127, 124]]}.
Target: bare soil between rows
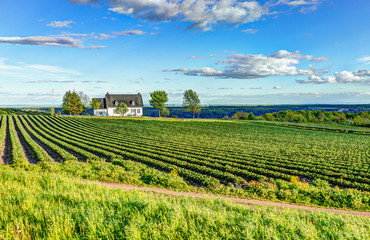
{"points": [[127, 187]]}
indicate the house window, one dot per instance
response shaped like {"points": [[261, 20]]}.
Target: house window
{"points": [[132, 102], [138, 111]]}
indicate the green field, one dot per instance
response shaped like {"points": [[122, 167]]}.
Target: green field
{"points": [[44, 159], [48, 206], [244, 159]]}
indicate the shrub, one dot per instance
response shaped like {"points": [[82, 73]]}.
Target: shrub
{"points": [[322, 184]]}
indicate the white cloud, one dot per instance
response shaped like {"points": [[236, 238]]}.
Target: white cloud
{"points": [[60, 24], [277, 87], [250, 66], [340, 77], [51, 69], [55, 41], [103, 36], [250, 31], [197, 57], [129, 33], [364, 60], [320, 59], [202, 14], [51, 81]]}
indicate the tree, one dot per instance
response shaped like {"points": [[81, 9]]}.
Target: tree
{"points": [[85, 99], [72, 103], [52, 111], [165, 112], [358, 120], [251, 116], [191, 102], [121, 109], [95, 104], [158, 101]]}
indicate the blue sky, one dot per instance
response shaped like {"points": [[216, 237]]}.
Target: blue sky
{"points": [[230, 52]]}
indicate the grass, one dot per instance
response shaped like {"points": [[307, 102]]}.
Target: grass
{"points": [[49, 206]]}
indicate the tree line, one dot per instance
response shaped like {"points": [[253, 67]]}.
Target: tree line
{"points": [[317, 116]]}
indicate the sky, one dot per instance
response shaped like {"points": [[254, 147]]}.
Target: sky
{"points": [[228, 51]]}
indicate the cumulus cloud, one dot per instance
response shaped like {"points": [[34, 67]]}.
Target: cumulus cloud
{"points": [[60, 24], [55, 41], [201, 14], [250, 66], [129, 33], [345, 77]]}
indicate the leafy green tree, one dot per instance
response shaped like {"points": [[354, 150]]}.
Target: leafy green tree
{"points": [[72, 103], [158, 100], [358, 120], [52, 111], [251, 116], [191, 102], [95, 104], [121, 109], [165, 112]]}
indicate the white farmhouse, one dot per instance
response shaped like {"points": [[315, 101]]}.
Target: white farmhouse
{"points": [[108, 104]]}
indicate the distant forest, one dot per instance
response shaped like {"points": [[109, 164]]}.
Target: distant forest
{"points": [[230, 111]]}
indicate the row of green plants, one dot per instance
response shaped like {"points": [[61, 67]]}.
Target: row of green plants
{"points": [[213, 153], [55, 148], [229, 166], [18, 157], [83, 148], [35, 149], [79, 140]]}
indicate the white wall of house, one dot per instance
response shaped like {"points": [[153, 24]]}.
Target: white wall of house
{"points": [[132, 111], [100, 112]]}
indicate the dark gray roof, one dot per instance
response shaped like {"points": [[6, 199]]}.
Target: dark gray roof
{"points": [[111, 100]]}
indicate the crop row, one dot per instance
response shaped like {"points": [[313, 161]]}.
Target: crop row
{"points": [[228, 167], [260, 168], [300, 164]]}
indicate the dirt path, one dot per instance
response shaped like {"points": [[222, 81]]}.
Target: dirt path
{"points": [[6, 150], [232, 199]]}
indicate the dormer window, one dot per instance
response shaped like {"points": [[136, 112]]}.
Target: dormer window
{"points": [[132, 102], [115, 102]]}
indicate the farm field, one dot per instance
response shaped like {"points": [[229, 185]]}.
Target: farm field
{"points": [[214, 156], [50, 206]]}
